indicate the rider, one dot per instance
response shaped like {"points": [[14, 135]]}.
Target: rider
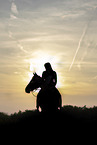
{"points": [[49, 76]]}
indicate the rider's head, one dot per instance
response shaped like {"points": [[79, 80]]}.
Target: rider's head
{"points": [[48, 66]]}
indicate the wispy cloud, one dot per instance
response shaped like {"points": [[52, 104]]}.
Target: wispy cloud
{"points": [[73, 14], [14, 8], [14, 11], [21, 47], [13, 17]]}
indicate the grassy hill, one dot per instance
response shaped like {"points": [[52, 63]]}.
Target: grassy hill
{"points": [[72, 124]]}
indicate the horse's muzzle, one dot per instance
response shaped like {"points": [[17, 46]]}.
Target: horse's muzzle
{"points": [[27, 91]]}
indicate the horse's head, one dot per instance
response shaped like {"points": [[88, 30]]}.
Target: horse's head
{"points": [[34, 83]]}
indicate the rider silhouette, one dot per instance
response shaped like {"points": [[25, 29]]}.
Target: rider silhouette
{"points": [[49, 77]]}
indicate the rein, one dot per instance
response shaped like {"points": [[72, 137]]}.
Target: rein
{"points": [[34, 91], [34, 95]]}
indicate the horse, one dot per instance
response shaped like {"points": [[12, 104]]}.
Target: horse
{"points": [[48, 98]]}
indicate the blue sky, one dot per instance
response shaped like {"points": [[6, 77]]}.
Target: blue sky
{"points": [[60, 31]]}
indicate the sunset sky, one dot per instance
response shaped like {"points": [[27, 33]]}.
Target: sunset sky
{"points": [[62, 32]]}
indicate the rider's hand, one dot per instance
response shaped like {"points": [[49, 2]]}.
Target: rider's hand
{"points": [[37, 109]]}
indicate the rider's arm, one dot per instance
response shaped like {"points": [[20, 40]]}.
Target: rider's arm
{"points": [[43, 76], [55, 78]]}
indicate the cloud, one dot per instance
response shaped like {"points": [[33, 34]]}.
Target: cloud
{"points": [[13, 17], [21, 47], [14, 8], [14, 11]]}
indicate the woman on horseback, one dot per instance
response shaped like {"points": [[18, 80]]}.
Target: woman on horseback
{"points": [[48, 92], [48, 98]]}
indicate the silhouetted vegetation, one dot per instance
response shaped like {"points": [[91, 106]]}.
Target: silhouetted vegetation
{"points": [[72, 124]]}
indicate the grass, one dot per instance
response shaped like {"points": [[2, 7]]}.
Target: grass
{"points": [[70, 124]]}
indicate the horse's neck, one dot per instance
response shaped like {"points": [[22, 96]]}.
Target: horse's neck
{"points": [[39, 80]]}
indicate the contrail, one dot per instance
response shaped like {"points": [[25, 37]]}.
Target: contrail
{"points": [[83, 56], [79, 44], [82, 36], [13, 16]]}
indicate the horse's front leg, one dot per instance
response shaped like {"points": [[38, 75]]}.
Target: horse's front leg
{"points": [[38, 100], [37, 103]]}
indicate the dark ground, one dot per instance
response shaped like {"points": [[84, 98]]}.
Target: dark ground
{"points": [[71, 125]]}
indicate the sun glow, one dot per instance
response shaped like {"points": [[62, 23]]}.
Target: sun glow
{"points": [[36, 64]]}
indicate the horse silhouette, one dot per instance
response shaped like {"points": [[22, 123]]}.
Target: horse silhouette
{"points": [[49, 98]]}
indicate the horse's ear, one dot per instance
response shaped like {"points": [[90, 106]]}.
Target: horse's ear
{"points": [[34, 73]]}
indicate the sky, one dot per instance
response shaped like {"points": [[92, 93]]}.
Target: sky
{"points": [[62, 32]]}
